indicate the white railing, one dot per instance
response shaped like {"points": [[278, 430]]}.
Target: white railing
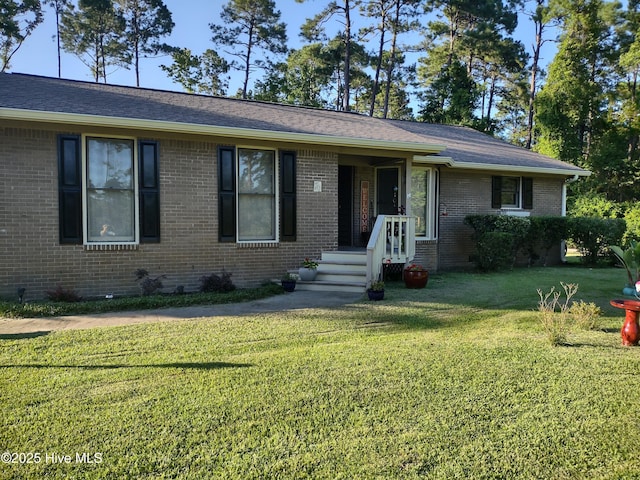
{"points": [[393, 240]]}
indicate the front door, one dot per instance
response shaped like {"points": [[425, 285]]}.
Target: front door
{"points": [[387, 191], [345, 206]]}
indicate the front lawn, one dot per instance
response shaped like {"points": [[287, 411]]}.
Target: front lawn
{"points": [[454, 381]]}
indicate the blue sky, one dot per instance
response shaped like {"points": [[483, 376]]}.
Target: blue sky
{"points": [[38, 54]]}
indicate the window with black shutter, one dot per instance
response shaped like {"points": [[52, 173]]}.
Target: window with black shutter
{"points": [[288, 196], [511, 192], [70, 189], [226, 194], [149, 192], [99, 208], [250, 207]]}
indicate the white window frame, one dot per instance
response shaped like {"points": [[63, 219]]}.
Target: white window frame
{"points": [[276, 186], [85, 188], [430, 203], [518, 204]]}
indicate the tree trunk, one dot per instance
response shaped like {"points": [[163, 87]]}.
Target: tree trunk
{"points": [[247, 65], [347, 56], [392, 60], [633, 139], [539, 26], [376, 80], [58, 39]]}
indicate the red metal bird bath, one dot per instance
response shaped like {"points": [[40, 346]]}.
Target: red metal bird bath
{"points": [[630, 331]]}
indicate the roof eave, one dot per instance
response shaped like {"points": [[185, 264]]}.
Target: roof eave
{"points": [[450, 162], [215, 130]]}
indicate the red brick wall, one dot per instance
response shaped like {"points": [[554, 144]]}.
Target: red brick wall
{"points": [[32, 257]]}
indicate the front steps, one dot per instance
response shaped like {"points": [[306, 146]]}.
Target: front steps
{"points": [[339, 271]]}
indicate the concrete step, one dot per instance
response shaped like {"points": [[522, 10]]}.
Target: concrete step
{"points": [[339, 267], [344, 258], [340, 276], [339, 271], [321, 286]]}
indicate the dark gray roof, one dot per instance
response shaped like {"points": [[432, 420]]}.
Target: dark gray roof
{"points": [[468, 146], [58, 96]]}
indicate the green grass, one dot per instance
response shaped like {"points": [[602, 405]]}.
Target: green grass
{"points": [[13, 309], [453, 381]]}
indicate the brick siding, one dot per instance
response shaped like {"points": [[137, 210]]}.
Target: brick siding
{"points": [[32, 257], [468, 193]]}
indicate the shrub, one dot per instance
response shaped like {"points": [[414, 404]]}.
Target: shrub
{"points": [[498, 239], [632, 219], [556, 323], [494, 251], [594, 235], [217, 283], [545, 233], [148, 285], [594, 206], [61, 294], [585, 315]]}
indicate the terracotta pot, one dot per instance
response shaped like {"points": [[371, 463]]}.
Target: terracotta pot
{"points": [[415, 279]]}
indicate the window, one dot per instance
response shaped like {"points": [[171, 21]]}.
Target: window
{"points": [[512, 192], [108, 191], [257, 195], [423, 201]]}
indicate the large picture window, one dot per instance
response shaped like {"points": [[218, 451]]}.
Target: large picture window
{"points": [[256, 195], [110, 190], [423, 201]]}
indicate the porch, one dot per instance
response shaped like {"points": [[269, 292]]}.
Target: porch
{"points": [[392, 241]]}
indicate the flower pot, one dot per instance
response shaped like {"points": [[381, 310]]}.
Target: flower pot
{"points": [[307, 274], [375, 295], [288, 285], [415, 278]]}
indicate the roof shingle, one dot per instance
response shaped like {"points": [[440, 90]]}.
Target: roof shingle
{"points": [[463, 145]]}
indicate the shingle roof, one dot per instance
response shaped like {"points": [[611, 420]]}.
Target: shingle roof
{"points": [[468, 146], [57, 96]]}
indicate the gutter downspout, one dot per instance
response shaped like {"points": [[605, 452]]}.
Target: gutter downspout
{"points": [[563, 213]]}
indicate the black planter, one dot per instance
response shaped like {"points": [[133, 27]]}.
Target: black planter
{"points": [[288, 285], [375, 295]]}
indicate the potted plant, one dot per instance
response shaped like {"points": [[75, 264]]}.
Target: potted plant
{"points": [[288, 282], [415, 276], [308, 270], [376, 290], [630, 260]]}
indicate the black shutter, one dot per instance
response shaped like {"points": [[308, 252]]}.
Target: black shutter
{"points": [[496, 192], [527, 193], [70, 189], [149, 192], [288, 196], [226, 194]]}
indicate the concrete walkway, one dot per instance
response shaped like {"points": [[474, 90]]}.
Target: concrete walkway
{"points": [[289, 301]]}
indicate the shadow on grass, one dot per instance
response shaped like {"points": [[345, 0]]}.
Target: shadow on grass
{"points": [[187, 365], [21, 336]]}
